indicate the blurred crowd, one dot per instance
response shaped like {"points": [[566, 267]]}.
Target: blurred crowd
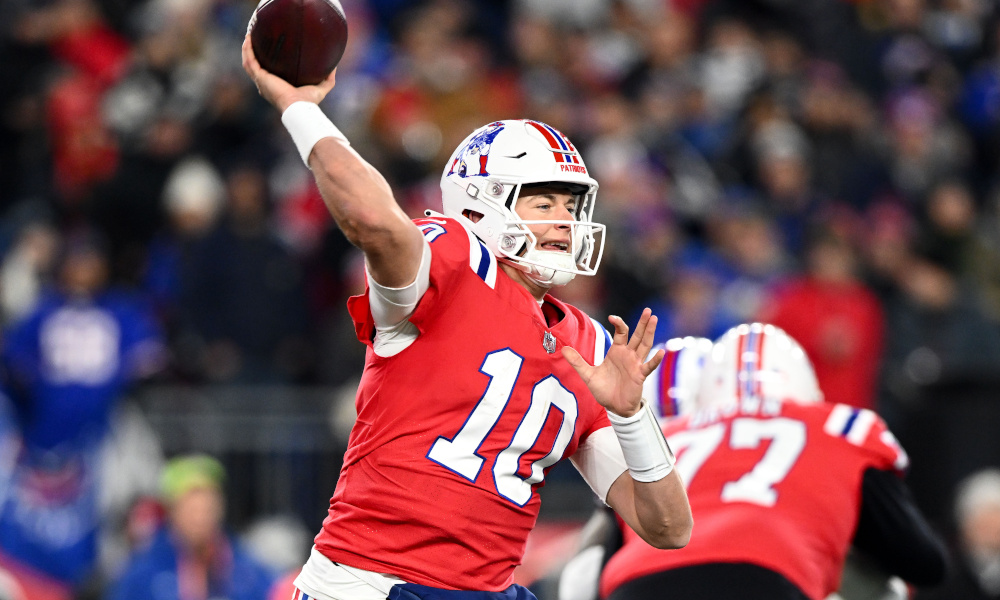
{"points": [[829, 166]]}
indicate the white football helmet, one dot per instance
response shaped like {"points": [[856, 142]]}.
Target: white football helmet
{"points": [[757, 360], [671, 389], [485, 175]]}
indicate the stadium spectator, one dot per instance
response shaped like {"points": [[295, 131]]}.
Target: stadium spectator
{"points": [[750, 258], [69, 364], [781, 154], [984, 261], [241, 293], [20, 580], [193, 198], [192, 557], [835, 317], [941, 350], [690, 306], [130, 463], [976, 572], [26, 270]]}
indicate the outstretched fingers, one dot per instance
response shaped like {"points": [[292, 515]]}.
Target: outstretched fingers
{"points": [[654, 361], [621, 329], [648, 333], [640, 330], [579, 364]]}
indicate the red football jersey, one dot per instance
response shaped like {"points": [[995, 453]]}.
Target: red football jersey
{"points": [[773, 484], [455, 432]]}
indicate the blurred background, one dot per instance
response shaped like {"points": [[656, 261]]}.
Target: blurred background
{"points": [[171, 283]]}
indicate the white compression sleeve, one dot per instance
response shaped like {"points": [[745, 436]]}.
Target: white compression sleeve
{"points": [[599, 460], [390, 306]]}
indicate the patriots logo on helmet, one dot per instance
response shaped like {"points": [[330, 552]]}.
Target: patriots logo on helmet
{"points": [[476, 151]]}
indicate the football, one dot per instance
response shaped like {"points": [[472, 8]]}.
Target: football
{"points": [[300, 41]]}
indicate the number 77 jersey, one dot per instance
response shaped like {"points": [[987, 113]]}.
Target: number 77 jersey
{"points": [[456, 431], [773, 484]]}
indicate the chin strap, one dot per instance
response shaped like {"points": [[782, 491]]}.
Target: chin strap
{"points": [[538, 273], [555, 278], [542, 271]]}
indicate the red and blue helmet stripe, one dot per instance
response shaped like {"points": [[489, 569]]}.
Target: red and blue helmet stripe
{"points": [[668, 380], [748, 363], [561, 147]]}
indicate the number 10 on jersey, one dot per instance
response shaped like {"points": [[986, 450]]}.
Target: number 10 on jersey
{"points": [[460, 453]]}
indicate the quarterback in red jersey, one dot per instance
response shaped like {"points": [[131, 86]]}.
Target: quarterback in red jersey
{"points": [[780, 483], [476, 381]]}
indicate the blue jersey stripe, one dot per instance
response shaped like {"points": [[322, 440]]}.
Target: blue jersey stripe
{"points": [[850, 422], [599, 355], [484, 262]]}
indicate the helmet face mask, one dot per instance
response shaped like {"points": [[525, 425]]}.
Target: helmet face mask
{"points": [[758, 361], [486, 174]]}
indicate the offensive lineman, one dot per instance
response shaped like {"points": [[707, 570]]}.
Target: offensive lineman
{"points": [[781, 484]]}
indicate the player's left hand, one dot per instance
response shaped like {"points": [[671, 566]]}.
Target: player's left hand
{"points": [[617, 382]]}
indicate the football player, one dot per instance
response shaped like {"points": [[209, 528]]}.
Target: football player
{"points": [[671, 390], [476, 381], [781, 483]]}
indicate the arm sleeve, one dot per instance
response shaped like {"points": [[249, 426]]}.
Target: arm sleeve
{"points": [[600, 461], [390, 306], [894, 533], [391, 311]]}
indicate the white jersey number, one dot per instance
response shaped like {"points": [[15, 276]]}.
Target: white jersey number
{"points": [[787, 437], [461, 453]]}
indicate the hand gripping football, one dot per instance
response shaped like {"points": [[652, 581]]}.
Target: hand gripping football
{"points": [[300, 41]]}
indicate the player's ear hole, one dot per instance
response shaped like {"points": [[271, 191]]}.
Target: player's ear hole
{"points": [[472, 215]]}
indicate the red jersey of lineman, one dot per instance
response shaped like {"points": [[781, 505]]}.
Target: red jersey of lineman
{"points": [[776, 485], [454, 433]]}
